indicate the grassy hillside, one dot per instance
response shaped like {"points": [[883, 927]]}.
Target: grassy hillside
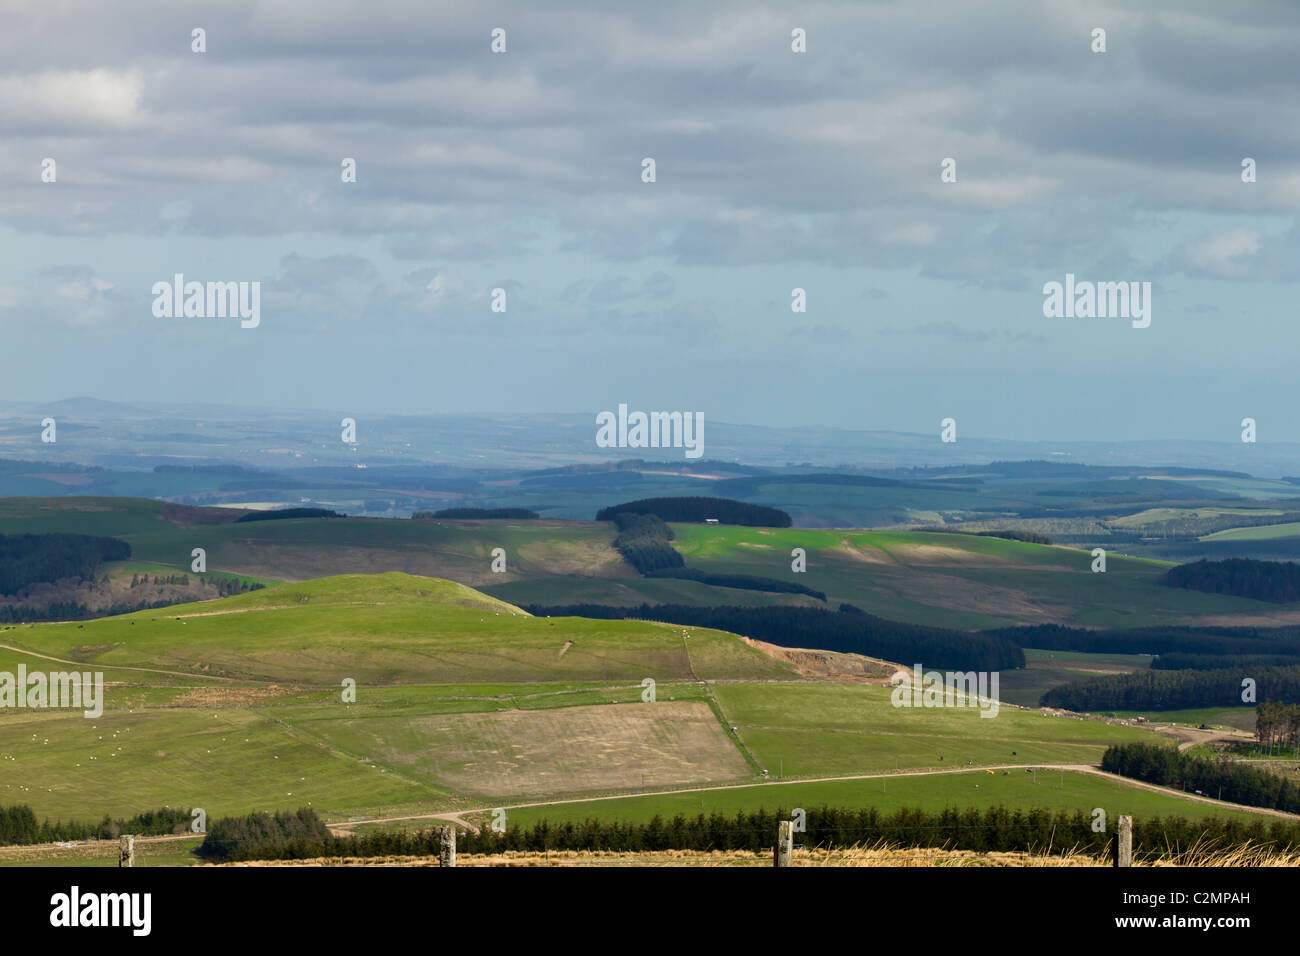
{"points": [[390, 628], [958, 580], [464, 701], [952, 580], [236, 704]]}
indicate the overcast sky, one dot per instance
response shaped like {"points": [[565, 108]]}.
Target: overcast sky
{"points": [[774, 170]]}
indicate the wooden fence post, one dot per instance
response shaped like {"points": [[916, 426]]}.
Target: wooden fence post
{"points": [[1124, 853], [126, 850], [447, 847], [784, 849]]}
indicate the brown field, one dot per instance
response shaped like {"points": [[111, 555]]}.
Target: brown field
{"points": [[585, 557], [940, 554], [533, 753], [230, 696], [867, 553], [829, 665], [960, 594]]}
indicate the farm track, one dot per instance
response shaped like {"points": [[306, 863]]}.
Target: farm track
{"points": [[458, 816], [120, 667]]}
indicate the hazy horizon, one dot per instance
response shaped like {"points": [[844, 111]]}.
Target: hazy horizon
{"points": [[91, 431]]}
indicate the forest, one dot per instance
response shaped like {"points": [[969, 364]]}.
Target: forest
{"points": [[484, 513], [1213, 641], [725, 510], [1177, 690], [1276, 581], [1277, 727], [1224, 779], [19, 826], [27, 559], [852, 632], [1212, 662], [281, 513], [643, 542], [744, 582]]}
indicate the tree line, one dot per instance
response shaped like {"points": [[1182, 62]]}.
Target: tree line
{"points": [[485, 513], [643, 541], [280, 513], [265, 836], [19, 826], [744, 582], [1212, 662], [1277, 581], [988, 830], [1218, 777], [1213, 641], [27, 559], [1176, 690], [226, 587], [53, 611], [725, 510], [1277, 727], [852, 632]]}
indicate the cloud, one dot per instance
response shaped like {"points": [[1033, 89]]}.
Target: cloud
{"points": [[1226, 255]]}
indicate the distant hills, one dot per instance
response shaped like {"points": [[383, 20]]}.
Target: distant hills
{"points": [[146, 434]]}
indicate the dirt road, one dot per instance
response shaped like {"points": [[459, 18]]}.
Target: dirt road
{"points": [[458, 816]]}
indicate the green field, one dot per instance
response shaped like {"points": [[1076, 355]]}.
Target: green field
{"points": [[838, 729], [389, 628], [1015, 789], [1239, 718], [1261, 533]]}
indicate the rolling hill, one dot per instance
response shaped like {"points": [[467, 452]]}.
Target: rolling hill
{"points": [[237, 704], [951, 580]]}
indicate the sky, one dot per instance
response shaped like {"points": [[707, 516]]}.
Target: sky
{"points": [[775, 170]]}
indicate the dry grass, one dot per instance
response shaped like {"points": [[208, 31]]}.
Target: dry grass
{"points": [[229, 696], [880, 855], [571, 749], [1215, 855], [829, 665]]}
